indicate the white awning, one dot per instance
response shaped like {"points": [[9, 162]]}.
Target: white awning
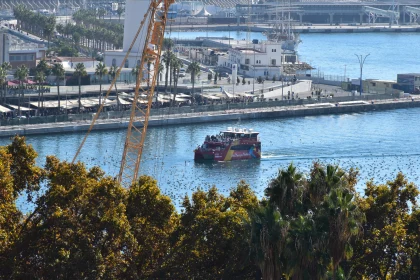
{"points": [[21, 108], [4, 109], [178, 99], [228, 94], [124, 102], [211, 97]]}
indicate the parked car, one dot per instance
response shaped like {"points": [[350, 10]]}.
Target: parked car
{"points": [[223, 74], [181, 74]]}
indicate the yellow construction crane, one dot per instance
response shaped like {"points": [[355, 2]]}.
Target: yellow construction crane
{"points": [[154, 20]]}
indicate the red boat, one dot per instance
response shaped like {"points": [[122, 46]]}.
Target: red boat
{"points": [[231, 144]]}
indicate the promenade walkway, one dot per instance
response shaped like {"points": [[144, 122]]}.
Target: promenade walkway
{"points": [[215, 116]]}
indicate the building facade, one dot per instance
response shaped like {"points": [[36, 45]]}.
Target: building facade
{"points": [[264, 59], [409, 82], [132, 21]]}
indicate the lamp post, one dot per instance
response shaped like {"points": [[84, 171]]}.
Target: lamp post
{"points": [[361, 60], [253, 68], [229, 34]]}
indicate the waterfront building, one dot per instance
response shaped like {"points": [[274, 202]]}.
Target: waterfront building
{"points": [[380, 86], [257, 59], [409, 82]]}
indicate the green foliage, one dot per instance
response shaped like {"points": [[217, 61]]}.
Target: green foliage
{"points": [[211, 239], [389, 248]]}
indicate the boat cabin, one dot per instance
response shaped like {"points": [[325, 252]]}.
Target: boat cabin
{"points": [[239, 133]]}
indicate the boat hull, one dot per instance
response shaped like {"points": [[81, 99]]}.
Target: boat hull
{"points": [[228, 154]]}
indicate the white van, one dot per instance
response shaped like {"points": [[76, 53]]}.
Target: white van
{"points": [[182, 70]]}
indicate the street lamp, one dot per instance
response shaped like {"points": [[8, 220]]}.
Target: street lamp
{"points": [[361, 62], [253, 68], [229, 34]]}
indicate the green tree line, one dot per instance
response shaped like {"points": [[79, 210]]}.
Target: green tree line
{"points": [[89, 30], [84, 225]]}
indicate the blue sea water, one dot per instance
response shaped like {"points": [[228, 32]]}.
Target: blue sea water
{"points": [[380, 144], [334, 53]]}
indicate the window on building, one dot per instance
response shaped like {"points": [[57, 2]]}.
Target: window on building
{"points": [[114, 62], [138, 62], [273, 62], [273, 50], [374, 84], [126, 65], [246, 60]]}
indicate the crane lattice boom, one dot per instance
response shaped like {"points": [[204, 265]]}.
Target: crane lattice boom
{"points": [[155, 21]]}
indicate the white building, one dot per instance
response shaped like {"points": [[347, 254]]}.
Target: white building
{"points": [[132, 22], [263, 59]]}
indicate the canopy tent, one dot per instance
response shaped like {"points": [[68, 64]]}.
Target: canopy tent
{"points": [[246, 94], [163, 99], [124, 102], [69, 104], [141, 101], [88, 103], [124, 94], [109, 102], [181, 95], [179, 99], [21, 108], [203, 13], [228, 94], [46, 104], [4, 109], [11, 83], [211, 97]]}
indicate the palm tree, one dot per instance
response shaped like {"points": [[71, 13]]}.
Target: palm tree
{"points": [[283, 191], [268, 238], [176, 65], [113, 71], [120, 11], [136, 72], [40, 79], [79, 72], [167, 57], [345, 220], [7, 67], [59, 73], [3, 80], [168, 43], [160, 69], [100, 71], [21, 74], [43, 66], [194, 69]]}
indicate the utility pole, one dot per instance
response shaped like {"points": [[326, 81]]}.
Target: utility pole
{"points": [[253, 68], [361, 63]]}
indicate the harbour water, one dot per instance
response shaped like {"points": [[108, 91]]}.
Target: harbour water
{"points": [[380, 144], [334, 53]]}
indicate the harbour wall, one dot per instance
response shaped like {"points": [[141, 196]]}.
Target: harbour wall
{"points": [[302, 29], [216, 116]]}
